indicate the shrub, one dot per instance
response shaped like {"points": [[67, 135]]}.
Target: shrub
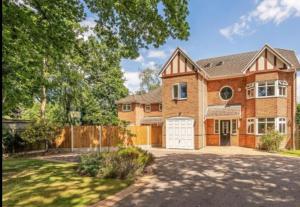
{"points": [[126, 162], [271, 140], [40, 131], [90, 164]]}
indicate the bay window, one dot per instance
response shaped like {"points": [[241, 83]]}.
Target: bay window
{"points": [[266, 89], [180, 91], [265, 124], [274, 88], [282, 125], [282, 85]]}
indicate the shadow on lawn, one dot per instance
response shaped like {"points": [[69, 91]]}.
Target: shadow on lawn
{"points": [[214, 180], [43, 183]]}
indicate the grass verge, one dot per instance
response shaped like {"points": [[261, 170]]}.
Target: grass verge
{"points": [[29, 182]]}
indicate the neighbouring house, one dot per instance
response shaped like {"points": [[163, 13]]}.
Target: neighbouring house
{"points": [[220, 101]]}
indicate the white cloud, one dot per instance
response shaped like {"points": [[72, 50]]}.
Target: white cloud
{"points": [[150, 64], [89, 24], [139, 59], [132, 81], [275, 11], [157, 54]]}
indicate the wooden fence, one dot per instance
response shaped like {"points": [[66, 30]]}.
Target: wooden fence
{"points": [[108, 136]]}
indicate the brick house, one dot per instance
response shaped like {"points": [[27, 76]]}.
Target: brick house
{"points": [[228, 100]]}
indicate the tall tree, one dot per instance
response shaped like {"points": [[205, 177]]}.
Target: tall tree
{"points": [[45, 30], [134, 24], [149, 79], [45, 59]]}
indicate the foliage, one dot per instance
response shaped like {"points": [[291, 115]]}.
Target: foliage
{"points": [[10, 139], [49, 64], [130, 25], [28, 182], [40, 131], [149, 79], [298, 114], [271, 140], [126, 162]]}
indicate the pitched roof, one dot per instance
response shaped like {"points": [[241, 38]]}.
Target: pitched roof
{"points": [[153, 96], [223, 111], [234, 64]]}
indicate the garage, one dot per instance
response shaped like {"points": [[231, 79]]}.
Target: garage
{"points": [[180, 133]]}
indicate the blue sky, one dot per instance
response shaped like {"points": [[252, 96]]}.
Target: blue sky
{"points": [[219, 27]]}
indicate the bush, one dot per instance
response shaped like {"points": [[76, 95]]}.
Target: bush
{"points": [[271, 141], [90, 164], [126, 162], [40, 131]]}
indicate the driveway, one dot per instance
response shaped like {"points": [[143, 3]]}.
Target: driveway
{"points": [[220, 176]]}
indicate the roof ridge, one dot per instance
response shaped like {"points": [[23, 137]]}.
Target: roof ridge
{"points": [[242, 53]]}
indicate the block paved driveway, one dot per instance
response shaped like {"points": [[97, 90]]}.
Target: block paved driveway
{"points": [[220, 176]]}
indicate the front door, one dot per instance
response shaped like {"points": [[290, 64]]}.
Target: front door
{"points": [[225, 132]]}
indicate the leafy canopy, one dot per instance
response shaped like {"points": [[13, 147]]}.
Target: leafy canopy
{"points": [[44, 50]]}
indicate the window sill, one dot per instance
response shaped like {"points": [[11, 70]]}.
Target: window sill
{"points": [[261, 97], [179, 99]]}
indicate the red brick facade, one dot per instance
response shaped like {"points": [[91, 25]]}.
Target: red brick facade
{"points": [[204, 91]]}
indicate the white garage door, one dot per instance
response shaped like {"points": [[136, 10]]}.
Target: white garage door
{"points": [[180, 133]]}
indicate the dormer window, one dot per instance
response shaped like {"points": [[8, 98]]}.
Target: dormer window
{"points": [[220, 63], [179, 91], [207, 65], [126, 107]]}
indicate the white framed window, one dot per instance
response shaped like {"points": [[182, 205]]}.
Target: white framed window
{"points": [[265, 124], [250, 88], [282, 125], [217, 126], [126, 107], [266, 89], [160, 107], [250, 125], [234, 126], [179, 91], [274, 88], [282, 88], [148, 108]]}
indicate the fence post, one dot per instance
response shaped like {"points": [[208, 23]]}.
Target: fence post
{"points": [[100, 137], [148, 135], [72, 138]]}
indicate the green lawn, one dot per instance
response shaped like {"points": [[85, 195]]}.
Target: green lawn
{"points": [[295, 153], [28, 182]]}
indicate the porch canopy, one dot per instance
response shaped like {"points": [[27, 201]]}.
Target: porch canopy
{"points": [[152, 120], [223, 111]]}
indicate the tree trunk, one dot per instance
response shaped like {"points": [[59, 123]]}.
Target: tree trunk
{"points": [[43, 103], [43, 92], [43, 97]]}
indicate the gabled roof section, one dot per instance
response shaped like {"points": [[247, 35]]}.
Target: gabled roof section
{"points": [[259, 53], [197, 68], [233, 65], [153, 96]]}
